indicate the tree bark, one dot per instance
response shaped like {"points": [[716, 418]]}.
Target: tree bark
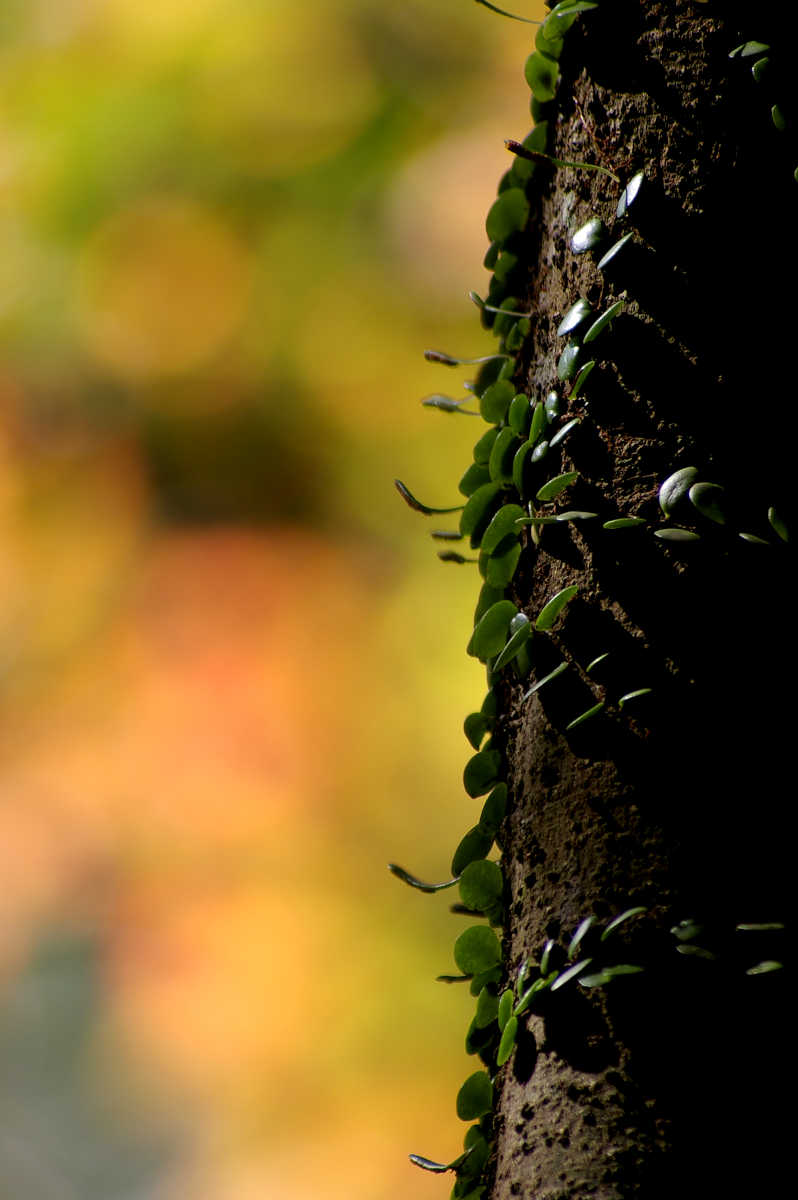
{"points": [[660, 1084]]}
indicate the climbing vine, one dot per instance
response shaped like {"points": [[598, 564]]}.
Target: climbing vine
{"points": [[519, 487]]}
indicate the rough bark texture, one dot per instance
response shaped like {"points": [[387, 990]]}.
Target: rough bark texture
{"points": [[661, 1084]]}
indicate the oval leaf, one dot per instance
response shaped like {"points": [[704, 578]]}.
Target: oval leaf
{"points": [[676, 487], [708, 499], [478, 511], [476, 844], [547, 617], [481, 885], [577, 314], [495, 401], [517, 639], [570, 973], [505, 1008], [557, 485], [493, 811], [563, 666], [585, 716], [477, 950], [490, 633], [481, 772], [509, 213], [675, 534], [507, 1043], [502, 524], [582, 929], [616, 922], [566, 429], [475, 1097], [603, 321], [610, 259], [630, 194], [624, 523], [589, 236], [541, 73]]}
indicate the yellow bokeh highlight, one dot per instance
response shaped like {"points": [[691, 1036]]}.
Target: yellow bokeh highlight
{"points": [[161, 287]]}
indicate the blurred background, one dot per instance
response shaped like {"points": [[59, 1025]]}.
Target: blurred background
{"points": [[233, 670]]}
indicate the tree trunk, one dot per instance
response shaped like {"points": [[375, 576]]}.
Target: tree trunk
{"points": [[661, 1083]]}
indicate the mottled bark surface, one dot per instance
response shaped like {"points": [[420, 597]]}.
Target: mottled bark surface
{"points": [[661, 1084]]}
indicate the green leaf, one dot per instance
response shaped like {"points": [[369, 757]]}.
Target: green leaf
{"points": [[624, 523], [509, 213], [520, 415], [630, 194], [691, 951], [646, 691], [502, 456], [410, 499], [475, 476], [502, 523], [507, 1042], [577, 314], [488, 596], [610, 258], [477, 950], [552, 404], [484, 446], [778, 118], [546, 955], [675, 534], [754, 539], [575, 514], [481, 885], [563, 15], [505, 1008], [589, 236], [481, 772], [542, 74], [556, 485], [585, 716], [600, 658], [603, 321], [765, 967], [558, 670], [520, 633], [487, 1007], [547, 617], [581, 378], [616, 922], [608, 974], [763, 927], [708, 499], [778, 525], [493, 812], [540, 421], [760, 69], [411, 880], [566, 429], [540, 451], [475, 1097], [568, 362], [747, 49], [495, 400], [540, 985], [570, 973], [675, 488], [475, 726], [576, 940], [686, 930], [501, 565], [520, 460], [475, 844], [552, 47], [478, 510], [490, 633]]}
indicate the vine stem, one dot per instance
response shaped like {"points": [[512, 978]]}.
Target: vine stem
{"points": [[522, 152]]}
